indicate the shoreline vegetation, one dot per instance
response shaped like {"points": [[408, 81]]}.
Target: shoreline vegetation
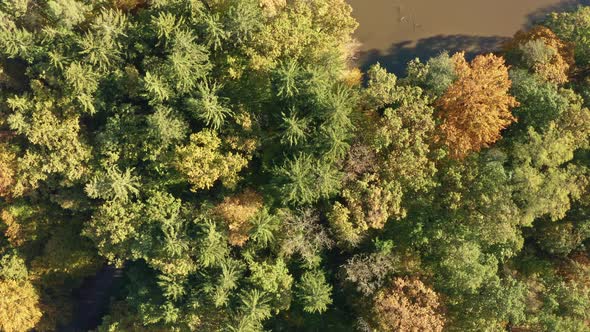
{"points": [[221, 165]]}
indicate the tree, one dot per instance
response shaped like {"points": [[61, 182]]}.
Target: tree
{"points": [[12, 267], [303, 236], [113, 229], [56, 143], [114, 185], [560, 294], [304, 180], [572, 27], [213, 246], [203, 161], [476, 107], [289, 35], [68, 12], [564, 236], [265, 228], [272, 7], [343, 228], [208, 107], [500, 303], [19, 306], [314, 292], [544, 53], [540, 101], [17, 7], [152, 230], [434, 76], [287, 78], [254, 309], [465, 268], [275, 280], [15, 40], [68, 253], [393, 158], [407, 305], [295, 129], [187, 63], [546, 180], [128, 5], [238, 212], [8, 166], [166, 128]]}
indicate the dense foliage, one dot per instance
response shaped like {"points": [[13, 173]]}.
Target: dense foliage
{"points": [[229, 158]]}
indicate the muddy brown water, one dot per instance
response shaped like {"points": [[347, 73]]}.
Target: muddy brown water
{"points": [[393, 32]]}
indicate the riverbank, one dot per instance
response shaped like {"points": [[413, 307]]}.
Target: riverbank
{"points": [[393, 32]]}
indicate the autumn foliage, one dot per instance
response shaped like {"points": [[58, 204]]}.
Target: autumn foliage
{"points": [[203, 161], [272, 7], [12, 229], [19, 306], [129, 5], [237, 211], [222, 165], [476, 107], [546, 54], [7, 171], [408, 305]]}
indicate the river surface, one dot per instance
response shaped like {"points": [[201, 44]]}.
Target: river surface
{"points": [[393, 32]]}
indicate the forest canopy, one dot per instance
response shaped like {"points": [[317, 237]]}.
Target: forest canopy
{"points": [[238, 169]]}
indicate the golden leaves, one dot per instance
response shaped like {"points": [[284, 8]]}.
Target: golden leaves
{"points": [[271, 8], [237, 211], [553, 62], [19, 306], [7, 170], [476, 107], [13, 232], [408, 305], [203, 161]]}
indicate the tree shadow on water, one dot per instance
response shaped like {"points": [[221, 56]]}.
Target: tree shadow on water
{"points": [[398, 55], [539, 15]]}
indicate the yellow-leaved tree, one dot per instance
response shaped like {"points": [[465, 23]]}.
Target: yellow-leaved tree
{"points": [[7, 170], [272, 7], [544, 53], [237, 211], [207, 159], [476, 107], [19, 306], [407, 305]]}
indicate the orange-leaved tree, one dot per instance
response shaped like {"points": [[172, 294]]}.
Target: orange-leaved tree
{"points": [[476, 107]]}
